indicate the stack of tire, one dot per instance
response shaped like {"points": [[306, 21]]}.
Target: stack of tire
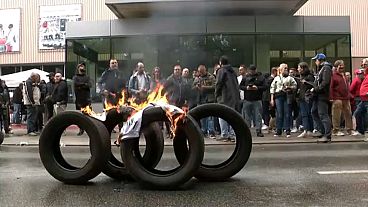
{"points": [[188, 146]]}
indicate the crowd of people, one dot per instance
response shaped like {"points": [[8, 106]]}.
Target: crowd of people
{"points": [[320, 102]]}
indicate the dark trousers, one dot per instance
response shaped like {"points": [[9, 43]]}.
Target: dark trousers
{"points": [[49, 110], [266, 112], [360, 116], [305, 110], [282, 114], [320, 111], [31, 118]]}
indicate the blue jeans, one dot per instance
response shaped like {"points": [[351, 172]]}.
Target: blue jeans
{"points": [[305, 110], [31, 118], [360, 116], [16, 113], [282, 114], [226, 130], [321, 118], [207, 125], [253, 109]]}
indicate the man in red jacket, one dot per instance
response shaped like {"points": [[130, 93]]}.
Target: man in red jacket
{"points": [[361, 111], [340, 97]]}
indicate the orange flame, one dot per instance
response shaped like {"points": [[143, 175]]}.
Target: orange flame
{"points": [[156, 96]]}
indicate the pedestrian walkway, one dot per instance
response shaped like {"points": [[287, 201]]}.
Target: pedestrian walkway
{"points": [[19, 137]]}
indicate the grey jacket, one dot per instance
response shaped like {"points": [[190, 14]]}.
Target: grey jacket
{"points": [[227, 88]]}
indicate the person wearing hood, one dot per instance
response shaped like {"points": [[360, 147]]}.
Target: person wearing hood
{"points": [[139, 84], [281, 86], [321, 99], [82, 85], [253, 85], [227, 93], [305, 95]]}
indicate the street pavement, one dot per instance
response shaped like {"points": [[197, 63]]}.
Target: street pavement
{"points": [[301, 174]]}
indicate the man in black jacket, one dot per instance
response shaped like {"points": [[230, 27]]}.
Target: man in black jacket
{"points": [[17, 104], [112, 83], [60, 94], [253, 85], [82, 85], [175, 87], [49, 104], [320, 104], [227, 93]]}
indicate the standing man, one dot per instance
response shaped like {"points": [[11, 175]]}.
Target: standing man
{"points": [[340, 97], [174, 86], [242, 72], [253, 85], [362, 109], [31, 97], [60, 94], [49, 103], [321, 91], [17, 104], [139, 84], [111, 83], [204, 87], [82, 85], [227, 93]]}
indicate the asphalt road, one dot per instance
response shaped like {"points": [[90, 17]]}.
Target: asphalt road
{"points": [[276, 175]]}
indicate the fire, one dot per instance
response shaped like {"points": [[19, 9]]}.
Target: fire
{"points": [[156, 96]]}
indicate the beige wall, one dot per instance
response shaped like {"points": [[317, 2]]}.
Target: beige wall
{"points": [[92, 10], [358, 12]]}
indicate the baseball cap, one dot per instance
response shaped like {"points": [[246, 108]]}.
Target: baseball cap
{"points": [[319, 56], [51, 74]]}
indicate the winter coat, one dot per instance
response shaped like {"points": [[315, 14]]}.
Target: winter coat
{"points": [[174, 87], [339, 87], [322, 82], [279, 84], [31, 93], [133, 83], [17, 96], [254, 79], [207, 93], [227, 87], [60, 94], [304, 88], [355, 87], [266, 96], [364, 89], [82, 85], [112, 81]]}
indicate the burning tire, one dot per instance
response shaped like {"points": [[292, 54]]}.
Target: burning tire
{"points": [[152, 154], [170, 179], [243, 147], [1, 137], [51, 156]]}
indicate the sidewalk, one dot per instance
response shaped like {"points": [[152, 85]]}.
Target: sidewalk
{"points": [[19, 137]]}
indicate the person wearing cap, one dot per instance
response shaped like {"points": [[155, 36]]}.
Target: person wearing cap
{"points": [[362, 109], [49, 103], [253, 85], [82, 85], [320, 105]]}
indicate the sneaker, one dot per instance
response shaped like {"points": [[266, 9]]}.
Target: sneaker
{"points": [[277, 135], [288, 136], [212, 136], [303, 134], [317, 134], [355, 133], [32, 134], [259, 134], [294, 130], [324, 140], [264, 127], [338, 134], [315, 131]]}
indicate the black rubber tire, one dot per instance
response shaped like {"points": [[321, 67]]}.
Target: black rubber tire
{"points": [[1, 137], [243, 145], [171, 179], [51, 156], [152, 154]]}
